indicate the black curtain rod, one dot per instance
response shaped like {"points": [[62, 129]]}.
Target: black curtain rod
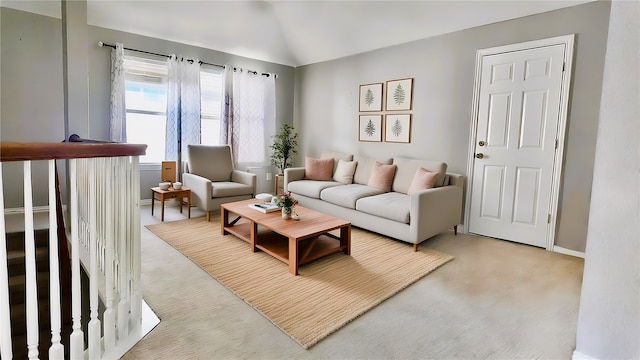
{"points": [[101, 44]]}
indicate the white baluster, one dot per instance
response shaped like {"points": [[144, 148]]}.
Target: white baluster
{"points": [[94, 323], [31, 282], [136, 299], [6, 351], [109, 313], [56, 351], [124, 305], [76, 347]]}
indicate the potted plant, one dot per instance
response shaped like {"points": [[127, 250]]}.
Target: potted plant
{"points": [[284, 147]]}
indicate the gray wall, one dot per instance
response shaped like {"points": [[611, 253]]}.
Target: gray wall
{"points": [[32, 107], [31, 100], [609, 315], [326, 107]]}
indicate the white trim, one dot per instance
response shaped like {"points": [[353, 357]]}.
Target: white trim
{"points": [[577, 355], [570, 252], [149, 321], [568, 41]]}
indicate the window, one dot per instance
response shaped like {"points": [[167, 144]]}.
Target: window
{"points": [[146, 101], [210, 105]]}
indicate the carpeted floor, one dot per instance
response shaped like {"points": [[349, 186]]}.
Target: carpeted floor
{"points": [[496, 300], [328, 293]]}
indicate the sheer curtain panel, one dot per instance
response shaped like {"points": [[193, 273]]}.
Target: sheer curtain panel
{"points": [[183, 108], [248, 116], [117, 106]]}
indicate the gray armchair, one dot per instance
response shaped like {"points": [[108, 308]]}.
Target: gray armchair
{"points": [[212, 179]]}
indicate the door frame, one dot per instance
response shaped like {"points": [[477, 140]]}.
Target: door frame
{"points": [[568, 41]]}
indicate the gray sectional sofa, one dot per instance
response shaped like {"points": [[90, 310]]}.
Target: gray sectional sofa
{"points": [[410, 218]]}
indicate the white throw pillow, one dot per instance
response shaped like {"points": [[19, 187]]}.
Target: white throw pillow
{"points": [[344, 171]]}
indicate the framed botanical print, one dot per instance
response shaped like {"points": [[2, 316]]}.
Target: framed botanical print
{"points": [[370, 97], [399, 94], [370, 128], [397, 128]]}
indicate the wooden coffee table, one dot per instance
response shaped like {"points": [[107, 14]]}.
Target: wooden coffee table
{"points": [[294, 242]]}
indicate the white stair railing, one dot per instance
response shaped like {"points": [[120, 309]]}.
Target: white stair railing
{"points": [[104, 233]]}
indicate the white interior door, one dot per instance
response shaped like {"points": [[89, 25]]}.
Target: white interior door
{"points": [[515, 144]]}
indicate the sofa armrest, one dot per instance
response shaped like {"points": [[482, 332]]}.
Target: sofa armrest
{"points": [[292, 174], [246, 178], [200, 189], [435, 210]]}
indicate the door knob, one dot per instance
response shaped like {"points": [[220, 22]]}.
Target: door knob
{"points": [[479, 155]]}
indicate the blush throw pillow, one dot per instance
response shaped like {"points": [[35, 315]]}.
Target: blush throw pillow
{"points": [[318, 169], [422, 180], [382, 176], [344, 171]]}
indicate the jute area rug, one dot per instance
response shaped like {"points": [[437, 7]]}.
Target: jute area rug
{"points": [[327, 294]]}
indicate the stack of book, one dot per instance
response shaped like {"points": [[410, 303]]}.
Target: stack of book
{"points": [[264, 207]]}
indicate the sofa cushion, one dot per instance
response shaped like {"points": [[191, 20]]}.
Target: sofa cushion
{"points": [[344, 171], [211, 162], [224, 189], [382, 176], [335, 156], [310, 188], [365, 165], [392, 205], [318, 169], [347, 195], [422, 180], [407, 169]]}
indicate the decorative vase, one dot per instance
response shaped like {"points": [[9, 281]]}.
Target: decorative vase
{"points": [[286, 212]]}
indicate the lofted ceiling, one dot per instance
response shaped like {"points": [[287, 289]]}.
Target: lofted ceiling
{"points": [[299, 32]]}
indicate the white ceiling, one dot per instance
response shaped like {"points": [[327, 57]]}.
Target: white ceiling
{"points": [[299, 32]]}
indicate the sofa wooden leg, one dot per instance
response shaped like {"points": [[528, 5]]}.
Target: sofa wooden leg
{"points": [[415, 247], [208, 215], [455, 230]]}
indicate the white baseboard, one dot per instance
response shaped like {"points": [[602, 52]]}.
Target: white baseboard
{"points": [[562, 250], [577, 355]]}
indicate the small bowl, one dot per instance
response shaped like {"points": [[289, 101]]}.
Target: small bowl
{"points": [[265, 198], [164, 185], [177, 185]]}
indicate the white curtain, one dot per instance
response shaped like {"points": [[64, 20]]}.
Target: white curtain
{"points": [[183, 108], [249, 116], [117, 106]]}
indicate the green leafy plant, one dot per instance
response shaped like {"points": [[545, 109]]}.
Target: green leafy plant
{"points": [[370, 128], [284, 147], [368, 97], [396, 129], [399, 95]]}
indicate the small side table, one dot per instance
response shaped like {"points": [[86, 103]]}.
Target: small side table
{"points": [[163, 195]]}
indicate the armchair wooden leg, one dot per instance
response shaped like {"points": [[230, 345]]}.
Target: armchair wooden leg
{"points": [[415, 247], [455, 230], [208, 215]]}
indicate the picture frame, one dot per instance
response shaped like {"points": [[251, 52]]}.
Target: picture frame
{"points": [[370, 128], [397, 128], [399, 94], [370, 97]]}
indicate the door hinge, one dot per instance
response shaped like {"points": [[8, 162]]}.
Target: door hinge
{"points": [[548, 218], [564, 65], [556, 143]]}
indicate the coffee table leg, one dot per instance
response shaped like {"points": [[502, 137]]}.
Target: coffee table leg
{"points": [[253, 237], [224, 221], [345, 239], [293, 256], [153, 198], [189, 204]]}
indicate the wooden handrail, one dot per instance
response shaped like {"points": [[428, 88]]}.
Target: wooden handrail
{"points": [[18, 151]]}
